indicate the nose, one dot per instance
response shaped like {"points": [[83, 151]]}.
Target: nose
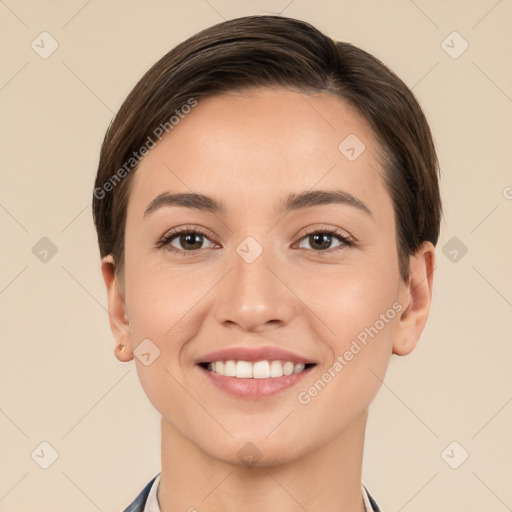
{"points": [[254, 296]]}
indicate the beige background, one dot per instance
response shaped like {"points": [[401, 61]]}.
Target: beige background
{"points": [[60, 381]]}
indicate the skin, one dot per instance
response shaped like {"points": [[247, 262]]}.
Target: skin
{"points": [[250, 150]]}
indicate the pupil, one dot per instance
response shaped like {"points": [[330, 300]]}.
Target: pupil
{"points": [[189, 239], [324, 239]]}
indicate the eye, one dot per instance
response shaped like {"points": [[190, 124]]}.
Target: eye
{"points": [[190, 240], [322, 240], [184, 240]]}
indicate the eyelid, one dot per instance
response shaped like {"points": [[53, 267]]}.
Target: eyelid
{"points": [[345, 238], [308, 230], [164, 240]]}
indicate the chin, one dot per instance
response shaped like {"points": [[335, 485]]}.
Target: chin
{"points": [[256, 451]]}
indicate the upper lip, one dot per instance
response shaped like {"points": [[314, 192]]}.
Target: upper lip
{"points": [[253, 354]]}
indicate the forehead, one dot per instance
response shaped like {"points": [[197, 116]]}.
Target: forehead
{"points": [[255, 146]]}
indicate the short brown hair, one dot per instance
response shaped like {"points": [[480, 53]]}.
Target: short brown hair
{"points": [[275, 51]]}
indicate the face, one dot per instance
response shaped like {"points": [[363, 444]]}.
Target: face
{"points": [[255, 265]]}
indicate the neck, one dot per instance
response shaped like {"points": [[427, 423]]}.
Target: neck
{"points": [[327, 478]]}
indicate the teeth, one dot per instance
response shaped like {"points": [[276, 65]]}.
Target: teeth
{"points": [[299, 367], [243, 370], [276, 369], [257, 370], [229, 369], [260, 370], [288, 368]]}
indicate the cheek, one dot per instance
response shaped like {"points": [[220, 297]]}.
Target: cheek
{"points": [[159, 304], [166, 310], [352, 298], [360, 308], [148, 305], [362, 316], [157, 298]]}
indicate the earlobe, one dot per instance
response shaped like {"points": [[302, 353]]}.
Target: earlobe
{"points": [[416, 298], [119, 324]]}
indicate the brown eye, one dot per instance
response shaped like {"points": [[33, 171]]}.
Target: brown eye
{"points": [[321, 241], [184, 241], [190, 241]]}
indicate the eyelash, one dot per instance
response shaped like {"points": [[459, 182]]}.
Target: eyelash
{"points": [[165, 241]]}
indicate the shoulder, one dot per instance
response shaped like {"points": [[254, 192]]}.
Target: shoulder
{"points": [[140, 501]]}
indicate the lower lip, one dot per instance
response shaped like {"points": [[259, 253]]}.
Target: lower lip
{"points": [[254, 389]]}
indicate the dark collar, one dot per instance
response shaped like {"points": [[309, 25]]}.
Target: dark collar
{"points": [[374, 505], [140, 501]]}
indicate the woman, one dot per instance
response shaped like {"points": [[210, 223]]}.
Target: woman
{"points": [[267, 208]]}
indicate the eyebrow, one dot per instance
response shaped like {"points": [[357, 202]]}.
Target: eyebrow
{"points": [[322, 197], [189, 200], [294, 201]]}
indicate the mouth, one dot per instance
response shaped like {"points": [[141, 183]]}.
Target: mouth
{"points": [[254, 372], [258, 380], [264, 369]]}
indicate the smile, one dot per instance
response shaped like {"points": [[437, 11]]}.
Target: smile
{"points": [[254, 381], [254, 372], [258, 370]]}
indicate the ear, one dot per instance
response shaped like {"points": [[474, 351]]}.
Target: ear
{"points": [[415, 296], [116, 312]]}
